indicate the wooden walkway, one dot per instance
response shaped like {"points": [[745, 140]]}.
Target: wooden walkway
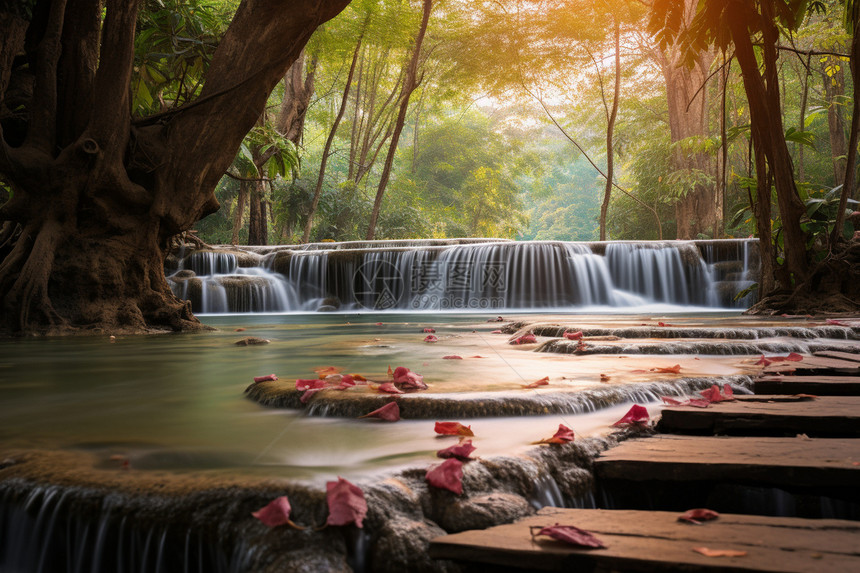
{"points": [[657, 541], [758, 469], [824, 416]]}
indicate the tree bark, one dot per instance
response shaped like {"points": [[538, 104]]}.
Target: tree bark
{"points": [[98, 197], [834, 90], [610, 133], [409, 85]]}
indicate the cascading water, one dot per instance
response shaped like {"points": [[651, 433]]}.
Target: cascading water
{"points": [[466, 275]]}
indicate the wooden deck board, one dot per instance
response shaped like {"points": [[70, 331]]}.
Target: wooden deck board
{"points": [[832, 416], [656, 541], [849, 356], [818, 385]]}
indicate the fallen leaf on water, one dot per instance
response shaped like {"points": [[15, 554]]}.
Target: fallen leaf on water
{"points": [[390, 371], [676, 369], [836, 322], [378, 324], [346, 381], [346, 503], [408, 379], [527, 338], [389, 388], [542, 382], [324, 371], [719, 552], [635, 415], [698, 515], [477, 356], [266, 378], [672, 401], [276, 513], [572, 535], [430, 330], [461, 451], [358, 377], [447, 475], [306, 384], [453, 429], [573, 335], [604, 377], [390, 413], [562, 436], [431, 338], [712, 394], [452, 357]]}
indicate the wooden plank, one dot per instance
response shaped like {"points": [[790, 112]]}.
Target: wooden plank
{"points": [[656, 541], [816, 364], [780, 462], [818, 385], [849, 356], [826, 416]]}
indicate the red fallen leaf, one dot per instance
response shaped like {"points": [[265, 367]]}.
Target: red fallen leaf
{"points": [[390, 388], [347, 381], [572, 535], [562, 436], [453, 429], [542, 382], [728, 393], [408, 379], [308, 393], [671, 401], [836, 322], [712, 394], [378, 324], [447, 475], [358, 377], [306, 384], [636, 415], [477, 356], [604, 377], [676, 369], [460, 451], [452, 357], [697, 516], [346, 503], [390, 372], [696, 403], [664, 324], [266, 378], [639, 371], [719, 552], [793, 357], [324, 371], [276, 513], [496, 332], [430, 330], [524, 339], [390, 413], [431, 338], [573, 335]]}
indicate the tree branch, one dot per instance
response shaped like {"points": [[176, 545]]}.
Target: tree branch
{"points": [[41, 133]]}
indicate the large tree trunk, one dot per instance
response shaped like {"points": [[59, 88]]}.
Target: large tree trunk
{"points": [[97, 197], [834, 90], [409, 84], [610, 134]]}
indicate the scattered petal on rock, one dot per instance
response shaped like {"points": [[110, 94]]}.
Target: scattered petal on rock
{"points": [[573, 335], [719, 552], [447, 475], [542, 382], [452, 357], [346, 503], [346, 381], [672, 401], [728, 393], [266, 378], [712, 394], [390, 413], [697, 516], [572, 535], [306, 384], [431, 338], [461, 451], [308, 393], [389, 388], [636, 415], [453, 429], [276, 513], [562, 436], [524, 339]]}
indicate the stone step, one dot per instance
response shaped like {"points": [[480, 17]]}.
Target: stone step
{"points": [[657, 541], [818, 385]]}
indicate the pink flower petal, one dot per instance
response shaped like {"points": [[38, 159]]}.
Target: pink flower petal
{"points": [[276, 513], [266, 378], [461, 451], [346, 503], [636, 415], [572, 535], [390, 413], [447, 475]]}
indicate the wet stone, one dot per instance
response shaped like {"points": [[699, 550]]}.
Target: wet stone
{"points": [[402, 545], [482, 511], [251, 341]]}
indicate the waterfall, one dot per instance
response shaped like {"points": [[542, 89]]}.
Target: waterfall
{"points": [[467, 275]]}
